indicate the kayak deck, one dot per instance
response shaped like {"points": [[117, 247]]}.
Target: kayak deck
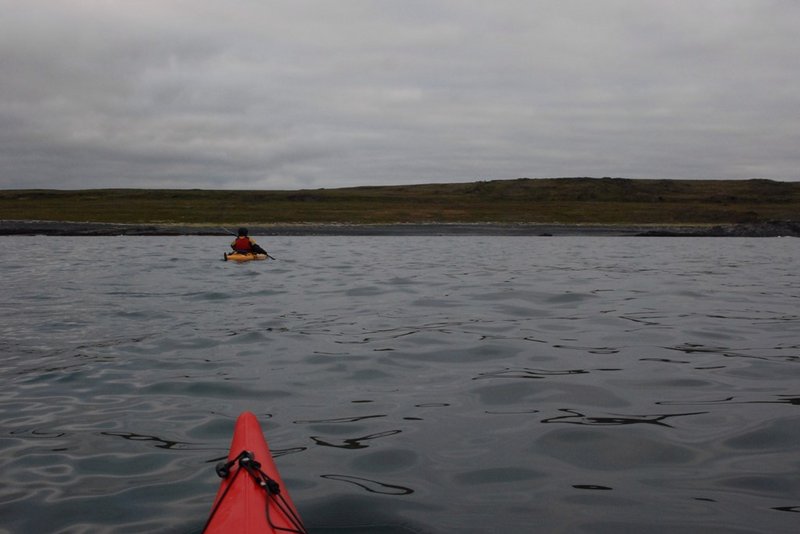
{"points": [[251, 497], [243, 256]]}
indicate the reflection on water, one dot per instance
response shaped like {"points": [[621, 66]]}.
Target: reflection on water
{"points": [[528, 373], [155, 440], [354, 443], [372, 486], [577, 418], [406, 384]]}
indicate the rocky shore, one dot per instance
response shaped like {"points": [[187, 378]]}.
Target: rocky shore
{"points": [[760, 229], [60, 228]]}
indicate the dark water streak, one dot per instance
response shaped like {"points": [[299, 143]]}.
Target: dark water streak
{"points": [[406, 384]]}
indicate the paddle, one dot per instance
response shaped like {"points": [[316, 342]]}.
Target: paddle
{"points": [[256, 248]]}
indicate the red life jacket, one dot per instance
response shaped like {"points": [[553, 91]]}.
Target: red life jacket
{"points": [[243, 244]]}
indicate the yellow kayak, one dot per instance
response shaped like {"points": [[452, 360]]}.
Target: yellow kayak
{"points": [[240, 257]]}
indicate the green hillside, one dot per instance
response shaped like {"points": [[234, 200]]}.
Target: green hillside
{"points": [[547, 201]]}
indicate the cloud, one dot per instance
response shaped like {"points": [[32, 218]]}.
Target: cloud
{"points": [[290, 94]]}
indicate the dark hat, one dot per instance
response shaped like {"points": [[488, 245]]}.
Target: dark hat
{"points": [[242, 231]]}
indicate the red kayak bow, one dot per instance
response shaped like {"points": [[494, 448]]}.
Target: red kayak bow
{"points": [[251, 498]]}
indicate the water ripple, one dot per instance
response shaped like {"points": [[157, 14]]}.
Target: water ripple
{"points": [[406, 384], [372, 486]]}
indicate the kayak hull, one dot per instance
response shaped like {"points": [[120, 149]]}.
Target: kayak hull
{"points": [[242, 506], [242, 257]]}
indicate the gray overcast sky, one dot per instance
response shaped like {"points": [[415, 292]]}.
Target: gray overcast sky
{"points": [[240, 94]]}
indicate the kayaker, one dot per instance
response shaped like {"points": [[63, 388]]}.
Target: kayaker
{"points": [[245, 244]]}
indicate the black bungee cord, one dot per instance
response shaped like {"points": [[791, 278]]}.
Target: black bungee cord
{"points": [[247, 462]]}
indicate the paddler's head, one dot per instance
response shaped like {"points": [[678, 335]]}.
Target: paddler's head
{"points": [[243, 232]]}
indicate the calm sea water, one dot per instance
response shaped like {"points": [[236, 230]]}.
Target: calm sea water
{"points": [[406, 384]]}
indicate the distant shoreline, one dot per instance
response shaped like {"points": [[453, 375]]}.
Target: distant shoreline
{"points": [[64, 228], [522, 206]]}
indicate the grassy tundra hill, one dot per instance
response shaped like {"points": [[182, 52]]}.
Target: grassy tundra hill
{"points": [[563, 201]]}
